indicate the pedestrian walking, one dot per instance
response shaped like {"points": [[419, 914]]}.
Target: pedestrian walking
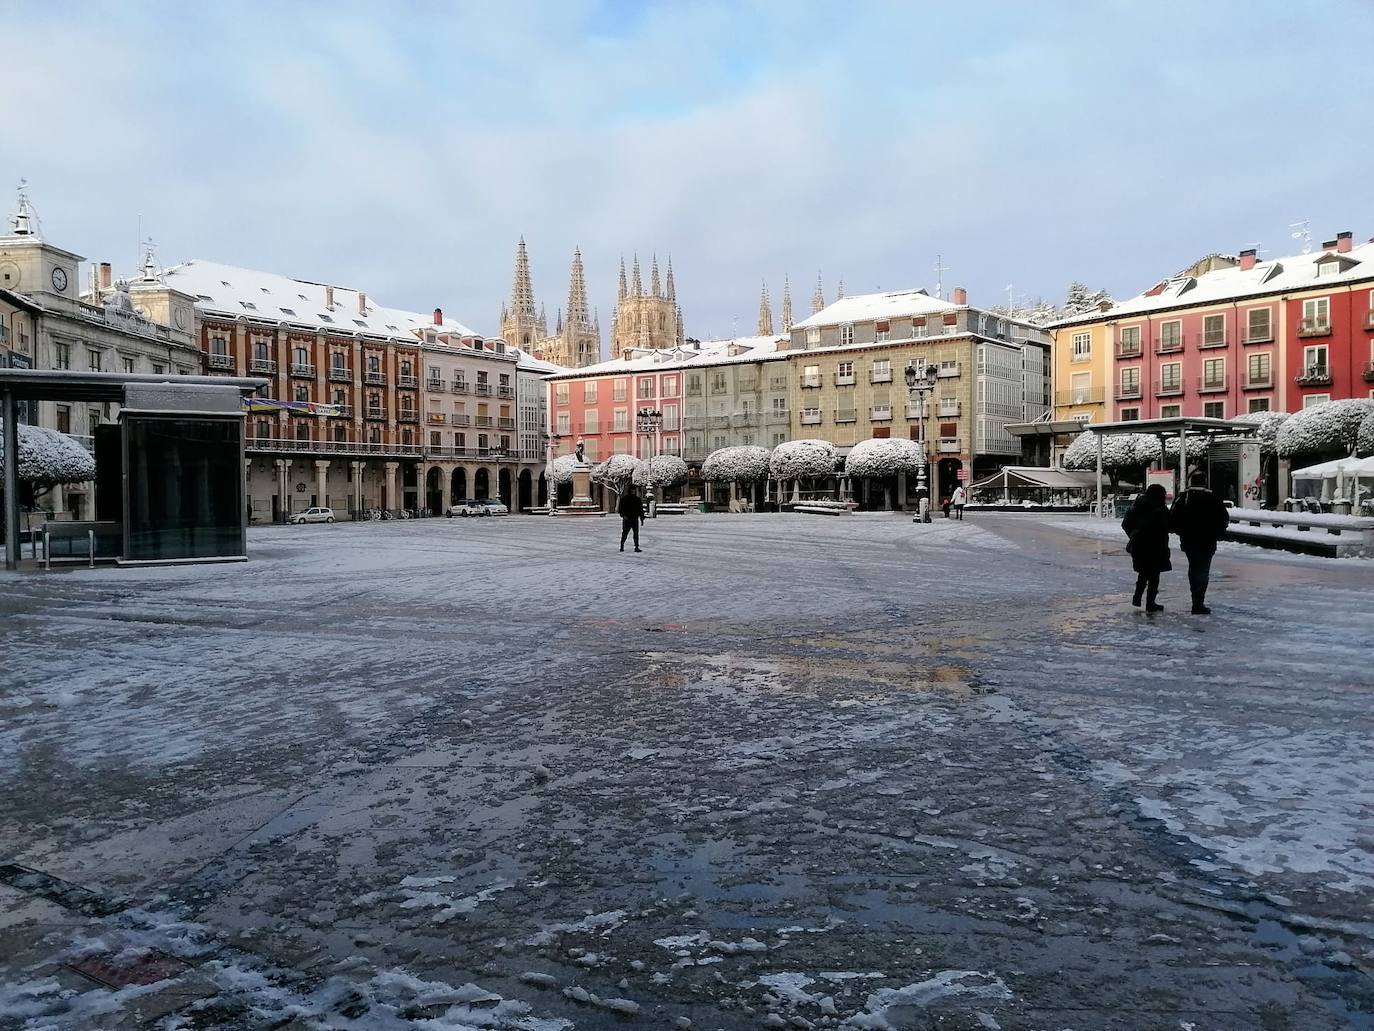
{"points": [[1147, 525], [631, 511], [1200, 519], [960, 499], [944, 506]]}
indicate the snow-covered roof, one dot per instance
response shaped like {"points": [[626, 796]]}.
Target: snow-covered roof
{"points": [[693, 355], [235, 292], [895, 304], [527, 362], [1281, 275]]}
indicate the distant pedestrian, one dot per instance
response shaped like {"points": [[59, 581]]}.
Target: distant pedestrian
{"points": [[944, 506], [631, 511], [1200, 519], [959, 499], [1147, 525]]}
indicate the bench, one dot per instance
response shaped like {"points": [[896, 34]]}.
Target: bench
{"points": [[671, 508], [812, 508], [1303, 532], [81, 541]]}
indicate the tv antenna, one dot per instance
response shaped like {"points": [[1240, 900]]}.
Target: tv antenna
{"points": [[940, 269]]}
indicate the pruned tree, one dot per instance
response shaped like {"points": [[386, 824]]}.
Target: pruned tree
{"points": [[1324, 431], [747, 463], [1123, 454], [1267, 429], [563, 467], [616, 472], [1364, 437], [803, 459], [659, 472], [881, 457], [48, 458]]}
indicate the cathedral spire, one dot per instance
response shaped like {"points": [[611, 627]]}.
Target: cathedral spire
{"points": [[765, 313], [672, 289], [622, 277], [818, 298], [558, 326], [578, 316], [786, 305], [655, 287], [522, 291], [636, 286]]}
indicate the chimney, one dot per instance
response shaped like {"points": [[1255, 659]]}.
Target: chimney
{"points": [[960, 295], [1344, 241], [438, 316], [1247, 259], [362, 303], [105, 275], [329, 297], [1328, 245]]}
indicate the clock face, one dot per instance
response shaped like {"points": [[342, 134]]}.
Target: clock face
{"points": [[59, 279]]}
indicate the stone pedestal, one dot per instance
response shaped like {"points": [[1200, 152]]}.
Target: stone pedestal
{"points": [[582, 503]]}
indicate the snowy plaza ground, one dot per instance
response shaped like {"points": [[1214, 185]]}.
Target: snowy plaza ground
{"points": [[775, 772]]}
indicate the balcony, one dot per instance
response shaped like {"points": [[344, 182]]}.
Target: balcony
{"points": [[1264, 382], [1368, 374], [689, 422], [949, 407], [1168, 389], [1080, 396], [777, 383], [284, 445], [1128, 349], [1314, 328], [434, 384], [950, 370], [485, 422], [407, 382], [948, 446], [408, 415], [482, 390], [505, 392], [915, 411], [436, 418], [376, 414], [344, 411], [375, 379], [220, 361], [1369, 320], [693, 390], [742, 419], [811, 382], [1257, 335], [1205, 340], [504, 423], [266, 365], [340, 374], [775, 416], [811, 417], [302, 370], [844, 379], [718, 422], [1212, 384], [1314, 376], [845, 415], [748, 386], [880, 413], [1128, 391], [1168, 345], [459, 419], [460, 386], [879, 376]]}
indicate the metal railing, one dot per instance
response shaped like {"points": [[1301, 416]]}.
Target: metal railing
{"points": [[1167, 345], [718, 422], [302, 370], [880, 413], [376, 414], [874, 376], [844, 379], [262, 365], [285, 445], [375, 379], [1212, 384], [482, 389], [1131, 350], [1128, 391], [505, 391], [408, 382], [1205, 340], [1369, 319], [808, 382], [1368, 374], [1314, 327], [811, 417], [459, 386], [436, 418], [948, 370], [846, 415], [777, 415], [434, 384], [220, 361], [505, 423], [408, 415], [459, 419], [1314, 376], [1081, 396], [486, 422], [1258, 382], [1166, 389], [344, 411], [341, 374], [949, 407], [1253, 335]]}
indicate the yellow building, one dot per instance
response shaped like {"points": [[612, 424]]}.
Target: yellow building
{"points": [[1083, 368]]}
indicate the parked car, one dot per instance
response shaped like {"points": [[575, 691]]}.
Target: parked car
{"points": [[468, 507], [314, 515], [495, 506]]}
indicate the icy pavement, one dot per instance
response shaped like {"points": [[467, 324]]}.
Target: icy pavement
{"points": [[776, 772]]}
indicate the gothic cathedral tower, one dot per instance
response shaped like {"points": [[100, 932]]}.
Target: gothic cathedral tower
{"points": [[646, 318], [521, 324]]}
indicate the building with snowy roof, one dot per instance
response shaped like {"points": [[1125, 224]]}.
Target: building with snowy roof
{"points": [[1224, 337]]}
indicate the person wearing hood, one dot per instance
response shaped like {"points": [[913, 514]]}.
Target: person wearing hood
{"points": [[1200, 519], [1147, 525]]}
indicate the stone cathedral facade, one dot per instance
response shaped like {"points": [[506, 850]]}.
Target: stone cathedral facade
{"points": [[576, 340], [644, 318]]}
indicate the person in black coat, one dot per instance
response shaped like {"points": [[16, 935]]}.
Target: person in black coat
{"points": [[1200, 519], [1147, 524], [631, 511]]}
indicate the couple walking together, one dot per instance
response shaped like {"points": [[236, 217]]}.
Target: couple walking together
{"points": [[1198, 517]]}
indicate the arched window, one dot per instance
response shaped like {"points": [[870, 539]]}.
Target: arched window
{"points": [[374, 363]]}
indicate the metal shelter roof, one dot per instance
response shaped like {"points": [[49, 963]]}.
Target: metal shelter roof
{"points": [[66, 385], [1172, 427]]}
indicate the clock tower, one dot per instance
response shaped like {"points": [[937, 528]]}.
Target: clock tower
{"points": [[30, 265]]}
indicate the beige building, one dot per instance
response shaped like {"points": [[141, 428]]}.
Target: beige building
{"points": [[646, 320], [736, 392]]}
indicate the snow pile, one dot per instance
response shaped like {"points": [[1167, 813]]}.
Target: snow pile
{"points": [[1329, 429], [889, 1009], [617, 471], [1267, 424], [47, 457], [660, 471], [745, 464], [563, 467], [1364, 439], [884, 456], [803, 459]]}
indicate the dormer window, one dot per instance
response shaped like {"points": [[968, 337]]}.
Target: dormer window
{"points": [[249, 305]]}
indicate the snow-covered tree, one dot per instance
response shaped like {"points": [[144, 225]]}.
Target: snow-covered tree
{"points": [[47, 458], [616, 472], [1123, 454], [745, 464], [1364, 439], [802, 459], [660, 471], [1081, 300], [563, 467], [884, 456], [1327, 430], [1267, 427]]}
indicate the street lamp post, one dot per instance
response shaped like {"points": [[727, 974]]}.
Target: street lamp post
{"points": [[550, 491], [919, 385], [647, 421]]}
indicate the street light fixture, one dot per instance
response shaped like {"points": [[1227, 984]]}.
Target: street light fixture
{"points": [[550, 490], [919, 384], [648, 420]]}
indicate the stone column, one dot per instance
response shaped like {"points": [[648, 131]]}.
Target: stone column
{"points": [[392, 501], [358, 489], [321, 481], [283, 467], [248, 489]]}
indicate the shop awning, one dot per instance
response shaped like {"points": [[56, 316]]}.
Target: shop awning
{"points": [[1036, 476]]}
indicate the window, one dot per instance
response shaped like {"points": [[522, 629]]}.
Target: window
{"points": [[302, 393], [93, 360], [1080, 387], [1214, 373], [718, 383], [1315, 399], [881, 371], [621, 422], [1171, 377], [1082, 347], [1257, 370], [262, 350], [62, 356], [813, 338], [128, 364], [218, 345], [1130, 340], [1169, 411], [1213, 330], [64, 418], [1259, 404], [560, 393], [588, 389], [844, 373], [374, 363], [670, 386], [1316, 313], [1214, 409], [779, 406], [811, 376], [300, 356], [158, 368], [1257, 325], [881, 330], [1130, 382], [1314, 357], [564, 425], [1170, 336], [646, 387], [846, 335], [591, 420], [1130, 414]]}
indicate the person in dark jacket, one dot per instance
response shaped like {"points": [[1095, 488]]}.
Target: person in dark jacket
{"points": [[1147, 524], [631, 511], [1200, 519]]}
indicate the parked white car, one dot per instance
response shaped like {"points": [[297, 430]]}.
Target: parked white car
{"points": [[469, 507], [314, 515], [495, 506]]}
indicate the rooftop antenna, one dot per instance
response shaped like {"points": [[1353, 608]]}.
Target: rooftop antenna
{"points": [[1259, 248], [149, 259], [1302, 231], [940, 269]]}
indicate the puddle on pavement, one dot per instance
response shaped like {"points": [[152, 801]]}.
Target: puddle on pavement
{"points": [[814, 676]]}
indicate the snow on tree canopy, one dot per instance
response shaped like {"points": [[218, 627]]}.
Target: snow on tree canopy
{"points": [[1330, 428], [1120, 451], [47, 458], [617, 471], [563, 467], [1364, 439], [802, 459], [884, 456], [747, 463], [660, 471], [1267, 425]]}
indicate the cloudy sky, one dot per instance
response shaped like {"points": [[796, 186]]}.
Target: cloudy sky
{"points": [[404, 149]]}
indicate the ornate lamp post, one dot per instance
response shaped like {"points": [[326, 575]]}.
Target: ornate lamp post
{"points": [[919, 385], [550, 491], [648, 420]]}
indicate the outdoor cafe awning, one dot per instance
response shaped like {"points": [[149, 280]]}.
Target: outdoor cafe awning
{"points": [[1361, 468], [1035, 476]]}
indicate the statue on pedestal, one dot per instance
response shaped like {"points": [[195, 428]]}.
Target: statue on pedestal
{"points": [[581, 452]]}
